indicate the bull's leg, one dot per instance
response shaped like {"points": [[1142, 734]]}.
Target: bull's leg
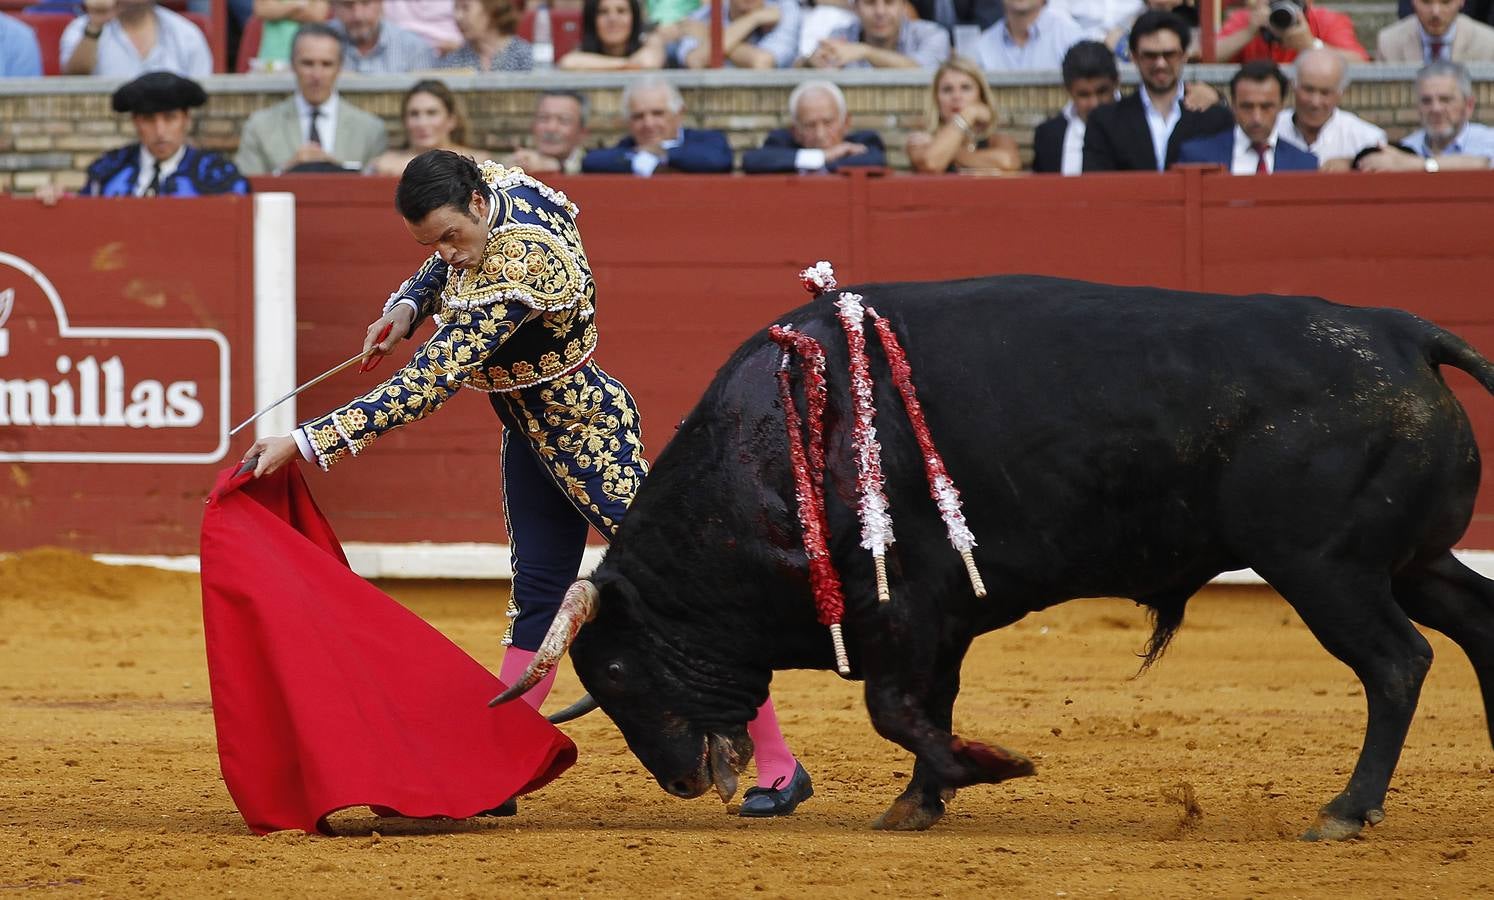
{"points": [[1355, 617], [920, 721], [1459, 602]]}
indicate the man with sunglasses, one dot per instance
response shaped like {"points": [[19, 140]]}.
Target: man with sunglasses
{"points": [[1144, 130]]}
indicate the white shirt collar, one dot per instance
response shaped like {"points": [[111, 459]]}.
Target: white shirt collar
{"points": [[147, 162], [326, 125]]}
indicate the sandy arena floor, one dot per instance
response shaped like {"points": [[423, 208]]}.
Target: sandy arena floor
{"points": [[1193, 780]]}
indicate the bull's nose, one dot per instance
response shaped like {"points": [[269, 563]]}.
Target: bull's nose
{"points": [[682, 788]]}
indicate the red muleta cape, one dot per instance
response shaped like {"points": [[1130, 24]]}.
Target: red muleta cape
{"points": [[328, 694]]}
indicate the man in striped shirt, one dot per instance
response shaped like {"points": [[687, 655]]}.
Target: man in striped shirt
{"points": [[375, 45]]}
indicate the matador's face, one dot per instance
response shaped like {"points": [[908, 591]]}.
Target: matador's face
{"points": [[459, 236]]}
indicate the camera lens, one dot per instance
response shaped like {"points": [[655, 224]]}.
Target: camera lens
{"points": [[1283, 14]]}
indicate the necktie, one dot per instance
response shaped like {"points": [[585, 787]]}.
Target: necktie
{"points": [[1260, 155], [154, 187], [1436, 47], [316, 113]]}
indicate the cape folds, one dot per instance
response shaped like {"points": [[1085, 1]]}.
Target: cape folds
{"points": [[329, 694]]}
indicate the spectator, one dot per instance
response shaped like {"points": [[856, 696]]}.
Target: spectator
{"points": [[1258, 33], [282, 19], [1099, 18], [758, 34], [883, 37], [1257, 93], [433, 120], [959, 123], [433, 21], [314, 127], [1316, 124], [489, 27], [1031, 35], [558, 131], [1144, 129], [162, 162], [1091, 78], [374, 44], [1183, 9], [1447, 139], [1438, 30], [612, 38], [127, 38], [657, 140], [817, 141], [20, 55]]}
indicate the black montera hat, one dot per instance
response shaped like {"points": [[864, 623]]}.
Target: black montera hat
{"points": [[156, 92]]}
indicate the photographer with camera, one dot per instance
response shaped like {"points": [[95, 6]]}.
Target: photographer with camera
{"points": [[1280, 29]]}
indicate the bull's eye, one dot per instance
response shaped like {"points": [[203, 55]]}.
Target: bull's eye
{"points": [[615, 672]]}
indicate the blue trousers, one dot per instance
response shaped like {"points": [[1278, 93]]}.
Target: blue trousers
{"points": [[572, 460]]}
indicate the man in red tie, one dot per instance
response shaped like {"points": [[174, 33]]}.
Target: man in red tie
{"points": [[1256, 94], [1436, 32]]}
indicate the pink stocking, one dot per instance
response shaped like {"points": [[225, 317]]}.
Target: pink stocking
{"points": [[774, 759], [515, 661]]}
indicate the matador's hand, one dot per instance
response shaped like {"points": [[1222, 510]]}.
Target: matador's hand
{"points": [[399, 319], [273, 452]]}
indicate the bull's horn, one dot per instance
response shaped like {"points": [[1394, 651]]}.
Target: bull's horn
{"points": [[578, 608], [576, 710]]}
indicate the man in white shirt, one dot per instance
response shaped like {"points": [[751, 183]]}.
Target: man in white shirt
{"points": [[1448, 139], [1315, 123], [1032, 35], [1091, 77], [127, 38], [315, 127]]}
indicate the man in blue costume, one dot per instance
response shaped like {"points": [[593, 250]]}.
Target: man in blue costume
{"points": [[512, 294], [162, 163]]}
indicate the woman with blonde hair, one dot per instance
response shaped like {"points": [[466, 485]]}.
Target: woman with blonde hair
{"points": [[959, 123], [433, 119]]}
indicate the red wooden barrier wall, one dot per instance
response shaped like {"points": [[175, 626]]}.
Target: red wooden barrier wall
{"points": [[687, 267]]}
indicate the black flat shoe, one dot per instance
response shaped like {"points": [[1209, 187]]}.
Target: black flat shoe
{"points": [[763, 803], [509, 807]]}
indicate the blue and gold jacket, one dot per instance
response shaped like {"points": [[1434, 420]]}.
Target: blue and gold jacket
{"points": [[522, 317], [200, 173]]}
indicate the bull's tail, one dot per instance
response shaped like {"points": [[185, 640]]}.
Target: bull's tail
{"points": [[1443, 348]]}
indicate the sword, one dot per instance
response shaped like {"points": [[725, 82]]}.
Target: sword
{"points": [[357, 357]]}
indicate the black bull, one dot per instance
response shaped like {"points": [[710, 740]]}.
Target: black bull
{"points": [[1126, 442]]}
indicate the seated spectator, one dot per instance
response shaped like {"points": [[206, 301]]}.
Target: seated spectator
{"points": [[657, 140], [282, 18], [758, 34], [1253, 147], [488, 27], [20, 55], [1316, 124], [612, 38], [1091, 78], [162, 162], [1256, 33], [433, 21], [314, 127], [1032, 35], [1447, 139], [1143, 130], [374, 44], [817, 140], [883, 37], [127, 38], [959, 123], [433, 120], [558, 130], [1437, 30], [1099, 18]]}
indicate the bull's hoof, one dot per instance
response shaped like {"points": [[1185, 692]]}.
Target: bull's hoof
{"points": [[1328, 827], [906, 814], [994, 763]]}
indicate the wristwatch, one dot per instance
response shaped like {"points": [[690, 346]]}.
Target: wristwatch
{"points": [[93, 33], [1432, 165], [1317, 43]]}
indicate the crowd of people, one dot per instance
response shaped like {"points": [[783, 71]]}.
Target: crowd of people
{"points": [[1271, 120]]}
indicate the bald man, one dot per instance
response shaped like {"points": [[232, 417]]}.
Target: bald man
{"points": [[1315, 122]]}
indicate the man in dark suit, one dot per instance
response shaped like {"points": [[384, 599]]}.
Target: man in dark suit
{"points": [[657, 139], [1143, 131], [1091, 78], [817, 141], [1257, 93]]}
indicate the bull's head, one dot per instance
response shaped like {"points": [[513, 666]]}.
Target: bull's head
{"points": [[683, 717]]}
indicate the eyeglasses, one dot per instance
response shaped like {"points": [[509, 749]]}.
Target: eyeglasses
{"points": [[1155, 55]]}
